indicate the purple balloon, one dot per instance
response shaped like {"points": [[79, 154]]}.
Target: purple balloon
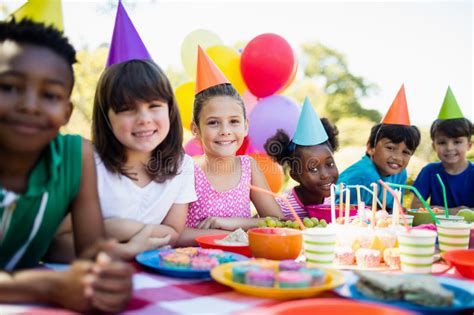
{"points": [[272, 113]]}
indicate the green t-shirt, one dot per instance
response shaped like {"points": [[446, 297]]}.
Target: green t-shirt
{"points": [[55, 181]]}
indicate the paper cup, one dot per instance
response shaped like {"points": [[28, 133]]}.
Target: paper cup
{"points": [[451, 218], [318, 246], [416, 250], [408, 217], [452, 235]]}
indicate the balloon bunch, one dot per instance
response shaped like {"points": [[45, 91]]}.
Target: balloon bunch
{"points": [[265, 68]]}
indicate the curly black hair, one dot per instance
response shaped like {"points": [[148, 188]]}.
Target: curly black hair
{"points": [[278, 146], [34, 33]]}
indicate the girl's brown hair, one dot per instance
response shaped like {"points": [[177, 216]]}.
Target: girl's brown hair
{"points": [[119, 87]]}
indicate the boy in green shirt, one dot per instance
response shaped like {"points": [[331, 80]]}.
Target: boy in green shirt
{"points": [[44, 176]]}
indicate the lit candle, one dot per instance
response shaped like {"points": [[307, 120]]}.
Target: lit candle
{"points": [[358, 194], [396, 209], [348, 205], [384, 200], [341, 199], [374, 204], [333, 204]]}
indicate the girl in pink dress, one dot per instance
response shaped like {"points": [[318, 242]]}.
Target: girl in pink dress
{"points": [[221, 178]]}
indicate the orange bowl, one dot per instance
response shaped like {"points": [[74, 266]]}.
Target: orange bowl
{"points": [[207, 241], [275, 243], [327, 306], [462, 260]]}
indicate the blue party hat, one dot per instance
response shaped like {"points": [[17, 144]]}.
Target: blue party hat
{"points": [[310, 130]]}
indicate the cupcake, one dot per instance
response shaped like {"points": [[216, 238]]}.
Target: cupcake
{"points": [[368, 258], [391, 256], [190, 251], [344, 256], [294, 279], [239, 272], [260, 278], [203, 262], [318, 276], [290, 265], [175, 260], [365, 240]]}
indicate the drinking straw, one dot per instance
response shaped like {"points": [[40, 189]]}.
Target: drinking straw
{"points": [[396, 209], [397, 200], [445, 201], [348, 206], [384, 200], [417, 193], [340, 199], [333, 203], [285, 200], [374, 205]]}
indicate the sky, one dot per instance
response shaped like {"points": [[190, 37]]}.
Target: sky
{"points": [[426, 45]]}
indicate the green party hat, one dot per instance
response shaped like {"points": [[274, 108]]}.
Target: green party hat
{"points": [[450, 108]]}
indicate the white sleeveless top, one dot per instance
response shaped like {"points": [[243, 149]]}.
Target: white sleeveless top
{"points": [[120, 197]]}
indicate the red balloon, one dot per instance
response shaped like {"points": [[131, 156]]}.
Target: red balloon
{"points": [[243, 148], [267, 64]]}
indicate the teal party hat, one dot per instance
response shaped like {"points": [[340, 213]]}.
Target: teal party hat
{"points": [[310, 130]]}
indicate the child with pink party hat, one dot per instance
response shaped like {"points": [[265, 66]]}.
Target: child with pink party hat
{"points": [[451, 135]]}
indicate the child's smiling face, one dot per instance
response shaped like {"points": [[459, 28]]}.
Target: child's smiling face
{"points": [[316, 169], [222, 126], [451, 151], [35, 85], [390, 158]]}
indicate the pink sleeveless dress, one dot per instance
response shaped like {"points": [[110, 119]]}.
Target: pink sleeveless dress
{"points": [[234, 202]]}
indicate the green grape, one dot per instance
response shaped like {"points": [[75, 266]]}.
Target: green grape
{"points": [[315, 220], [271, 223], [280, 224], [261, 223], [289, 223], [308, 223], [323, 223], [295, 225], [268, 219]]}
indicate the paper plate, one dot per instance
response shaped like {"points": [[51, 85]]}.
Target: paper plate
{"points": [[208, 241], [326, 306], [151, 260], [463, 296], [223, 275]]}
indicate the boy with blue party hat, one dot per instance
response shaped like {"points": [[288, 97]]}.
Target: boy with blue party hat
{"points": [[309, 156], [451, 134]]}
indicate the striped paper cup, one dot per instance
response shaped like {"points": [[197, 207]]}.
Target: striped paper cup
{"points": [[416, 250], [318, 246], [452, 235]]}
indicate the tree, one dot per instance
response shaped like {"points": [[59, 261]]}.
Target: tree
{"points": [[342, 88]]}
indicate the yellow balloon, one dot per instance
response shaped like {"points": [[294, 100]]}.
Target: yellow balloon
{"points": [[205, 39], [228, 61], [185, 98]]}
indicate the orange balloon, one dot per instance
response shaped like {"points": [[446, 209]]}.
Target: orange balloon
{"points": [[273, 171]]}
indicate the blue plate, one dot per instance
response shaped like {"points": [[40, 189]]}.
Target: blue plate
{"points": [[151, 260], [463, 296]]}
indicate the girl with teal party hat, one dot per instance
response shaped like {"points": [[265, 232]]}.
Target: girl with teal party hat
{"points": [[309, 156]]}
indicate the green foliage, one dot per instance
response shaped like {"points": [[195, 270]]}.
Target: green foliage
{"points": [[354, 131], [87, 72], [342, 88]]}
